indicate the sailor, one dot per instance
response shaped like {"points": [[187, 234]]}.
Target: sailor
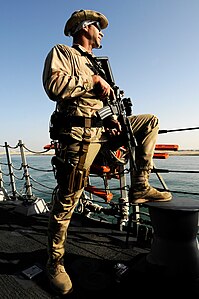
{"points": [[70, 79]]}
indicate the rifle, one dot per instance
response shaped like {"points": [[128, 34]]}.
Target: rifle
{"points": [[121, 106]]}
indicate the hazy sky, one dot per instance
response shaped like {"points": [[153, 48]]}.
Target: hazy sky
{"points": [[153, 47]]}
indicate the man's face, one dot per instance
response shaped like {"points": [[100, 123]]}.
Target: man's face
{"points": [[95, 35]]}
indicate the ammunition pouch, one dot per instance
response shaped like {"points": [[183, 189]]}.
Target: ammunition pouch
{"points": [[55, 125], [60, 120], [69, 176]]}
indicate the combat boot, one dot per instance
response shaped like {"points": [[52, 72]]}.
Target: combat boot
{"points": [[142, 192], [59, 279]]}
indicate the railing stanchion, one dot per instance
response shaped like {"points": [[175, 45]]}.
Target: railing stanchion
{"points": [[11, 174], [26, 173], [1, 178]]}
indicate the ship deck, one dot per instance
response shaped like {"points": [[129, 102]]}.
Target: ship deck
{"points": [[93, 250]]}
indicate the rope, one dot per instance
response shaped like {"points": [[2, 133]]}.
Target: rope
{"points": [[156, 170], [176, 130], [44, 170], [180, 192], [35, 181], [34, 152]]}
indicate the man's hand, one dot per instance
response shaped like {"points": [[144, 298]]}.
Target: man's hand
{"points": [[112, 126], [102, 88]]}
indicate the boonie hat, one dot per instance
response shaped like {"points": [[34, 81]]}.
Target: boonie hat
{"points": [[83, 15]]}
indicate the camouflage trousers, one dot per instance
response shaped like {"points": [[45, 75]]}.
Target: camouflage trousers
{"points": [[144, 127], [64, 203]]}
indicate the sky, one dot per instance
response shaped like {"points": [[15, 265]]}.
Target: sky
{"points": [[153, 49]]}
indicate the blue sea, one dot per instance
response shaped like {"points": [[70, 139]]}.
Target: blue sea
{"points": [[181, 176]]}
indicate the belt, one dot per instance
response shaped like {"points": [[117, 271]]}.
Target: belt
{"points": [[84, 122]]}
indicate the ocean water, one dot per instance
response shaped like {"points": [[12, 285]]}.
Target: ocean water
{"points": [[181, 175]]}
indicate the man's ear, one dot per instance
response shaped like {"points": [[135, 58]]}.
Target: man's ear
{"points": [[85, 28]]}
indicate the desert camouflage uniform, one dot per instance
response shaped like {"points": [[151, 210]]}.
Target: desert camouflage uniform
{"points": [[67, 79]]}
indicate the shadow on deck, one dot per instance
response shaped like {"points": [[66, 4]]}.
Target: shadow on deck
{"points": [[92, 252]]}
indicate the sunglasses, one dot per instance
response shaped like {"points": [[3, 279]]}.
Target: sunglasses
{"points": [[97, 25]]}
